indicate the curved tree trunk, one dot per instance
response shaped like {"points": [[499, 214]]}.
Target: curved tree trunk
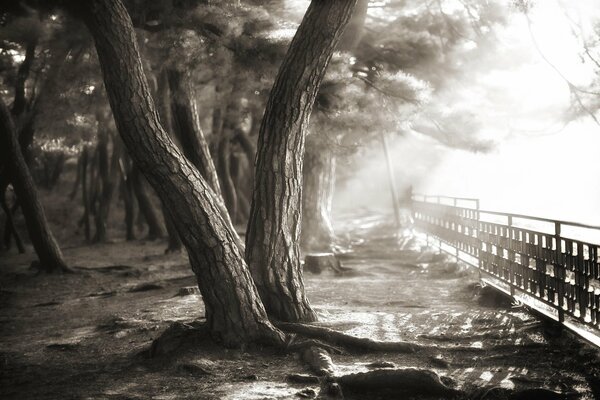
{"points": [[234, 312], [46, 247], [272, 240], [317, 196]]}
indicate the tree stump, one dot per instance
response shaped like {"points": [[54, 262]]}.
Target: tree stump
{"points": [[319, 262]]}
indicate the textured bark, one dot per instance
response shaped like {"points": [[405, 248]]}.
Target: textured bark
{"points": [[234, 312], [317, 196], [46, 247], [186, 124], [272, 240]]}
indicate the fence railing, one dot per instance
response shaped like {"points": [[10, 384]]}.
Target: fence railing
{"points": [[533, 259]]}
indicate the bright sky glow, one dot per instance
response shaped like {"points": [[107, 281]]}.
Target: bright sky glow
{"points": [[539, 166]]}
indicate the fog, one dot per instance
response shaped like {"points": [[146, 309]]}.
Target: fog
{"points": [[551, 176], [539, 157]]}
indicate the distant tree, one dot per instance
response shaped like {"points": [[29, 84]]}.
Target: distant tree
{"points": [[46, 247]]}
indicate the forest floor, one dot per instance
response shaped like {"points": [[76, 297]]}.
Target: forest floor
{"points": [[86, 335]]}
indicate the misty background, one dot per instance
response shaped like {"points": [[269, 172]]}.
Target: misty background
{"points": [[529, 152]]}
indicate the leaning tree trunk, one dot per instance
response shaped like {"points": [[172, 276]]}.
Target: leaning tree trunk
{"points": [[234, 312], [317, 196], [272, 240], [46, 247]]}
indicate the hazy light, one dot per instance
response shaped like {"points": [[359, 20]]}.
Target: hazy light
{"points": [[540, 166]]}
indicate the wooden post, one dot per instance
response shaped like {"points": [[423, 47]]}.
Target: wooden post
{"points": [[479, 243], [511, 257], [392, 180], [559, 274]]}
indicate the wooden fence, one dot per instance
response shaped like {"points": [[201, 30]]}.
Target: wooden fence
{"points": [[533, 259]]}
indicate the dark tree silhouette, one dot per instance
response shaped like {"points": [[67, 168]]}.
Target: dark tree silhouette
{"points": [[46, 247]]}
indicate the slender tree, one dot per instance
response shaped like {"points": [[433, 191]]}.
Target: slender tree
{"points": [[46, 247], [187, 127], [272, 240]]}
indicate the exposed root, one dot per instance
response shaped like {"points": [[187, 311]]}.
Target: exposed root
{"points": [[319, 361], [498, 393], [348, 341], [295, 344], [177, 336], [396, 382]]}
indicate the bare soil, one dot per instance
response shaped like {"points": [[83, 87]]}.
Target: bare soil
{"points": [[86, 335]]}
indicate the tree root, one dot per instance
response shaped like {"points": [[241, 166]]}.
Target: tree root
{"points": [[348, 341], [299, 345], [319, 361], [406, 382], [176, 336]]}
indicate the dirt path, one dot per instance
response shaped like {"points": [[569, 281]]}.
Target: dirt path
{"points": [[83, 336]]}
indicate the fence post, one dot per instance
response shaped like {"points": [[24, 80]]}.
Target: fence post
{"points": [[511, 257], [477, 234], [559, 273]]}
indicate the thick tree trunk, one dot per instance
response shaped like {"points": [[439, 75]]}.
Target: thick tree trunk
{"points": [[317, 196], [46, 247], [272, 240], [234, 312]]}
